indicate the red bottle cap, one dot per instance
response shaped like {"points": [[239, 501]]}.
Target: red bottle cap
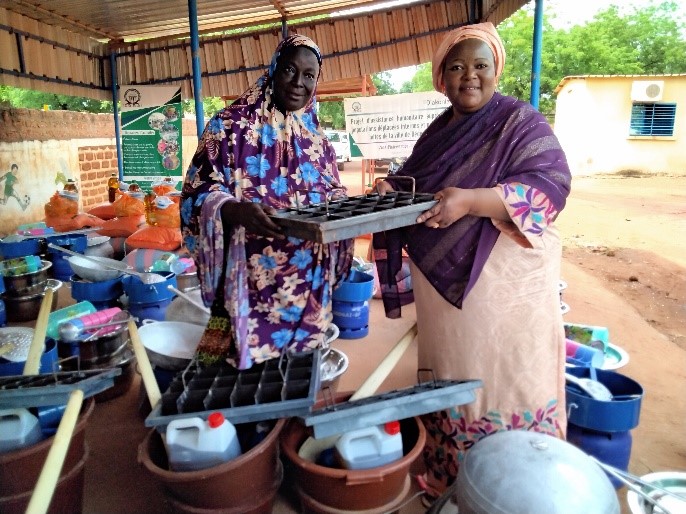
{"points": [[392, 427], [216, 419]]}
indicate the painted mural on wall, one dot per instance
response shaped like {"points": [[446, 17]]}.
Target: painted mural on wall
{"points": [[30, 173], [10, 189]]}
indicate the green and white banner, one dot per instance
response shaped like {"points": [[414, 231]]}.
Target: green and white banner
{"points": [[383, 127], [151, 133]]}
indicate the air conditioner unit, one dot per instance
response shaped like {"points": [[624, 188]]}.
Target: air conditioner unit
{"points": [[647, 90]]}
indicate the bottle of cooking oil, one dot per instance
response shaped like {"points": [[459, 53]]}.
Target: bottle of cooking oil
{"points": [[112, 187], [150, 208], [71, 186]]}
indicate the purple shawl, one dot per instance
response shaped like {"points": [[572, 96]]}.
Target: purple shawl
{"points": [[505, 141]]}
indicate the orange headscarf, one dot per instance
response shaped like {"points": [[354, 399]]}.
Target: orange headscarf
{"points": [[485, 32]]}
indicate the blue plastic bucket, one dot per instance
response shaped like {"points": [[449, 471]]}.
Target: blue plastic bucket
{"points": [[61, 269], [48, 361], [617, 415], [154, 310], [141, 293]]}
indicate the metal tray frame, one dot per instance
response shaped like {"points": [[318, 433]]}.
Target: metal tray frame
{"points": [[256, 380], [404, 403], [53, 388], [328, 222]]}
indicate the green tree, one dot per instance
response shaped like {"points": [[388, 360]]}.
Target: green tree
{"points": [[421, 80], [331, 115], [29, 99]]}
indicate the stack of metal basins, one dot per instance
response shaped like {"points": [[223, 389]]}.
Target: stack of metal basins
{"points": [[24, 293]]}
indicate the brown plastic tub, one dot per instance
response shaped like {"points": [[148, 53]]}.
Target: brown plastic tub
{"points": [[20, 469], [242, 484], [323, 489]]}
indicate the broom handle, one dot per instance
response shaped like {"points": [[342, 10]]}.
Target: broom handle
{"points": [[32, 364], [50, 474], [151, 386]]}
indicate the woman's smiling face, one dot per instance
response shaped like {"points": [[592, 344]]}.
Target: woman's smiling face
{"points": [[295, 77], [469, 76]]}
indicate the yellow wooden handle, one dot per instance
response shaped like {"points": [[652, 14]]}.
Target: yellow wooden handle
{"points": [[153, 390], [32, 364], [50, 474], [373, 381]]}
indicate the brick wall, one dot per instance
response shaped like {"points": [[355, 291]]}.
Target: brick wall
{"points": [[96, 164]]}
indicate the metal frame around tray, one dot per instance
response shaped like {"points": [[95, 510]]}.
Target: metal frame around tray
{"points": [[323, 231], [399, 404], [256, 411], [49, 388]]}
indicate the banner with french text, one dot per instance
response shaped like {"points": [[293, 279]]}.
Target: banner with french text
{"points": [[383, 127], [151, 133]]}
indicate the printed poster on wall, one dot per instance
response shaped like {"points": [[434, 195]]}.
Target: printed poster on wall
{"points": [[151, 133], [383, 127]]}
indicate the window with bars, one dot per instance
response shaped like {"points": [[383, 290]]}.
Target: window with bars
{"points": [[652, 119]]}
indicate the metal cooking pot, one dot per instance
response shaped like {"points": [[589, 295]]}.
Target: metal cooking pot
{"points": [[98, 350], [522, 472], [27, 284], [170, 344], [25, 308]]}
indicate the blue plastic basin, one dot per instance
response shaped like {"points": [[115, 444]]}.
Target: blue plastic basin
{"points": [[617, 415]]}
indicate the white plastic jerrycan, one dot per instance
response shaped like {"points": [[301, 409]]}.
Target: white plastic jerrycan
{"points": [[194, 443], [18, 429], [370, 447]]}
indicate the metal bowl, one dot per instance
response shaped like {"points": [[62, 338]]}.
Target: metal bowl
{"points": [[188, 281], [89, 270], [672, 481], [25, 308], [334, 364], [170, 344], [27, 284]]}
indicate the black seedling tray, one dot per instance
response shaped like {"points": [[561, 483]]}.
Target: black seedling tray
{"points": [[404, 403], [53, 388], [353, 216], [277, 388]]}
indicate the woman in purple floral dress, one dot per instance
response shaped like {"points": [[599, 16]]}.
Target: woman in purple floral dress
{"points": [[269, 293]]}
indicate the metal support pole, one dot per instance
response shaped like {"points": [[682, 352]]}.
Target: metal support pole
{"points": [[117, 121], [195, 60], [536, 57], [284, 28]]}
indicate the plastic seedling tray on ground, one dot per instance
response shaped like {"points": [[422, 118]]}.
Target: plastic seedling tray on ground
{"points": [[353, 216], [399, 404], [277, 388]]}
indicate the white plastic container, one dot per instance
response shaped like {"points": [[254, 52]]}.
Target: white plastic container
{"points": [[18, 429], [370, 447], [194, 443]]}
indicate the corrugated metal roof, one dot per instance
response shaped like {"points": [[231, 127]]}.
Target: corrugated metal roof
{"points": [[63, 46]]}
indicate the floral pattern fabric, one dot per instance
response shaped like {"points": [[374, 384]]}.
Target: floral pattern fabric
{"points": [[277, 293]]}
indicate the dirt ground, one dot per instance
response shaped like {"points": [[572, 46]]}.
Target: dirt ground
{"points": [[630, 233]]}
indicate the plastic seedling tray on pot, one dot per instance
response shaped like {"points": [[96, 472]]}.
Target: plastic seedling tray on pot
{"points": [[277, 388], [430, 396], [53, 388], [353, 216]]}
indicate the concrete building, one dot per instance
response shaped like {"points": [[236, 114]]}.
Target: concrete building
{"points": [[614, 123]]}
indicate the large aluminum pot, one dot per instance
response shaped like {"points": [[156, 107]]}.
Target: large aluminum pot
{"points": [[522, 472], [170, 344]]}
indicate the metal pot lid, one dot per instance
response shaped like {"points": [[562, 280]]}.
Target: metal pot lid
{"points": [[18, 341]]}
